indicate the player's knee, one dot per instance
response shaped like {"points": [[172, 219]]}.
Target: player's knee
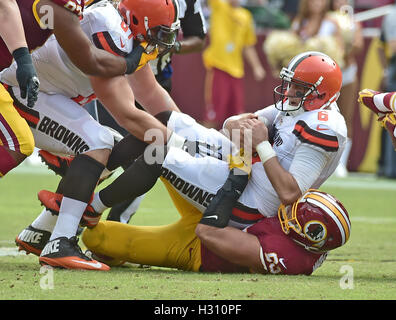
{"points": [[92, 237], [27, 144]]}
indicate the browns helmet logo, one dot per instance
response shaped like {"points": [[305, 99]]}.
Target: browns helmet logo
{"points": [[315, 231]]}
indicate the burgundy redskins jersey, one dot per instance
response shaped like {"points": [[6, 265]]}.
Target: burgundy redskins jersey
{"points": [[35, 35], [279, 253]]}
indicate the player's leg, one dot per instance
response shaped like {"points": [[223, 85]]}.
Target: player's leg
{"points": [[384, 105], [379, 102], [16, 139], [174, 245], [64, 127]]}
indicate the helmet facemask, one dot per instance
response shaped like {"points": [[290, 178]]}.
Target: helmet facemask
{"points": [[304, 92], [161, 37]]}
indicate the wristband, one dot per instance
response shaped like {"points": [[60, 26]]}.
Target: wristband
{"points": [[265, 151], [176, 141]]}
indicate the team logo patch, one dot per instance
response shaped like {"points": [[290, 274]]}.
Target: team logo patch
{"points": [[315, 231]]}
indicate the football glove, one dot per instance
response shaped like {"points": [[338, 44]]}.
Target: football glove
{"points": [[240, 161], [218, 212], [138, 57], [26, 76]]}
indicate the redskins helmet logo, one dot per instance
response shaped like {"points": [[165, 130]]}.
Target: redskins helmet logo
{"points": [[315, 231]]}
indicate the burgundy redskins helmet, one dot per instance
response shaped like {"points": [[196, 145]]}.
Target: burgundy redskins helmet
{"points": [[317, 221], [154, 21], [317, 73]]}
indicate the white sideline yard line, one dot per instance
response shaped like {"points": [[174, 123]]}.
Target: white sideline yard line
{"points": [[10, 251]]}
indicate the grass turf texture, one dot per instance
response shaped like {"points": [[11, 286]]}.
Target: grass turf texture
{"points": [[370, 254]]}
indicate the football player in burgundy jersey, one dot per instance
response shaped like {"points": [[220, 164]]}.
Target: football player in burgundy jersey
{"points": [[295, 242], [384, 106]]}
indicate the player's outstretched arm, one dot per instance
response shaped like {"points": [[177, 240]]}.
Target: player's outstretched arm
{"points": [[154, 100], [118, 98], [233, 245], [88, 58]]}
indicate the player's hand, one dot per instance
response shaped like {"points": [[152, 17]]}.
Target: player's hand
{"points": [[26, 76], [139, 57], [253, 131]]}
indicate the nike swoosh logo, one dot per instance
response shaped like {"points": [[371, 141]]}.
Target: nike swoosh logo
{"points": [[282, 262], [96, 264], [320, 128], [212, 217], [122, 43]]}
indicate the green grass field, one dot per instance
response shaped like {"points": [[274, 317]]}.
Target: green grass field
{"points": [[369, 256]]}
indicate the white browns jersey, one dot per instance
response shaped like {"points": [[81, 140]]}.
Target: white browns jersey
{"points": [[197, 179], [58, 75], [322, 130]]}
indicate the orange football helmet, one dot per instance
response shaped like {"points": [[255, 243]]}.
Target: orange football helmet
{"points": [[319, 77], [154, 21], [317, 221]]}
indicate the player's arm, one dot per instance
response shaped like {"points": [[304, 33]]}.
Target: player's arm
{"points": [[11, 27], [118, 98], [149, 93], [309, 160], [233, 245], [13, 34], [283, 181], [88, 58]]}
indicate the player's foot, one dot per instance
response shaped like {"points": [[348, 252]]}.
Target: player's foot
{"points": [[57, 164], [367, 98], [65, 253], [389, 123], [52, 202], [32, 240]]}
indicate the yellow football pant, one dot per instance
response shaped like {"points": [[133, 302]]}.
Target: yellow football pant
{"points": [[173, 246], [15, 132]]}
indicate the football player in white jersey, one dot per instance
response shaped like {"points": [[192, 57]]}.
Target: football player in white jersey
{"points": [[307, 134], [60, 125], [297, 141]]}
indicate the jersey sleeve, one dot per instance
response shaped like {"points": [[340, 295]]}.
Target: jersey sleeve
{"points": [[74, 6], [317, 134], [279, 254], [107, 29]]}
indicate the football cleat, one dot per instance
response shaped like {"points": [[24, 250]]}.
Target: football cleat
{"points": [[52, 202], [57, 164], [389, 123], [65, 253], [32, 240], [367, 98]]}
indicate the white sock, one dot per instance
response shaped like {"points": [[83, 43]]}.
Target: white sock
{"points": [[70, 214], [131, 210], [97, 204], [345, 155], [45, 221]]}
